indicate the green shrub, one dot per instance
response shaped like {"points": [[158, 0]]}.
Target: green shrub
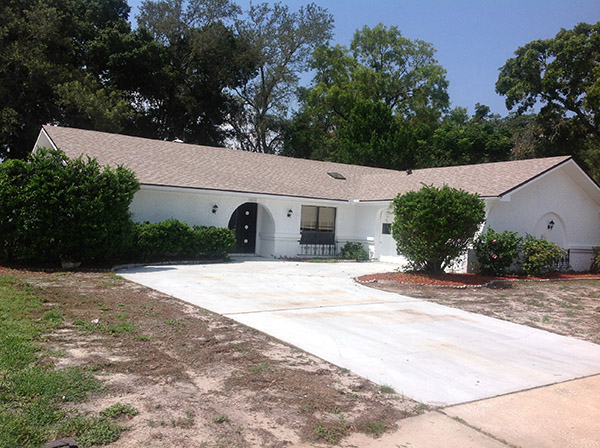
{"points": [[354, 251], [540, 256], [54, 208], [496, 252], [433, 226], [166, 239], [173, 239], [214, 241]]}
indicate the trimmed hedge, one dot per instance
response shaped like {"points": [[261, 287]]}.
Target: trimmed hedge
{"points": [[53, 208], [173, 239]]}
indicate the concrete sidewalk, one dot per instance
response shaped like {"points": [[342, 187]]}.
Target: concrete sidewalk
{"points": [[558, 416], [434, 354]]}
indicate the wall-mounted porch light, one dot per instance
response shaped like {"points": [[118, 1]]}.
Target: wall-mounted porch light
{"points": [[551, 224], [290, 213], [215, 208]]}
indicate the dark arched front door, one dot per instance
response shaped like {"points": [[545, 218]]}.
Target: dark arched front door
{"points": [[243, 224]]}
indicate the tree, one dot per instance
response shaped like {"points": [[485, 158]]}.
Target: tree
{"points": [[53, 208], [380, 67], [284, 41], [400, 72], [560, 75], [202, 60], [372, 136], [434, 226], [460, 140], [45, 70]]}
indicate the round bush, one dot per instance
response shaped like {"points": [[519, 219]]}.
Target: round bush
{"points": [[540, 256], [354, 251], [496, 252], [434, 226]]}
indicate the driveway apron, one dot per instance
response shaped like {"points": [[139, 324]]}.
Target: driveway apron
{"points": [[429, 352]]}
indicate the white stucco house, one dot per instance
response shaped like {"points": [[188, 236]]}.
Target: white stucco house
{"points": [[285, 207]]}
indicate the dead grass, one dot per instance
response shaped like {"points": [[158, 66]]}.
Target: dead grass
{"points": [[570, 307], [200, 379]]}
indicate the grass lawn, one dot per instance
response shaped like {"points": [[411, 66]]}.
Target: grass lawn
{"points": [[36, 400], [90, 355]]}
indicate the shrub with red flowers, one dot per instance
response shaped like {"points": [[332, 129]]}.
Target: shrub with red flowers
{"points": [[496, 252]]}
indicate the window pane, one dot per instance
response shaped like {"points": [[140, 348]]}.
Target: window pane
{"points": [[308, 217], [326, 219]]}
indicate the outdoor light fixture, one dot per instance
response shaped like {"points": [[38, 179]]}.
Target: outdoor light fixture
{"points": [[290, 213], [215, 208], [551, 224]]}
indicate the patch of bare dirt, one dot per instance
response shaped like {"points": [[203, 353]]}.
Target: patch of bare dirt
{"points": [[199, 379], [567, 307]]}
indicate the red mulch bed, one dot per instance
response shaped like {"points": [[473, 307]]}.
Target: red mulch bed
{"points": [[463, 280]]}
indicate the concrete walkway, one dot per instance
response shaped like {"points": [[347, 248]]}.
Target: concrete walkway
{"points": [[435, 354], [557, 416]]}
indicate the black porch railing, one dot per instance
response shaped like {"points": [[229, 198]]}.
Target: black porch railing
{"points": [[564, 263], [318, 249], [316, 243]]}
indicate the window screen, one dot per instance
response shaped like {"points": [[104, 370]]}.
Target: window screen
{"points": [[326, 219], [308, 218], [317, 225]]}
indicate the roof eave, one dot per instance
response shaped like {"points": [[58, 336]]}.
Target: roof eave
{"points": [[506, 194]]}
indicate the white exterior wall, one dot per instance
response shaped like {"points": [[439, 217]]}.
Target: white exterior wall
{"points": [[277, 234], [358, 224], [43, 141], [552, 197]]}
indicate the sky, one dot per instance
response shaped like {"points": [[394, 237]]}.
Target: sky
{"points": [[473, 38]]}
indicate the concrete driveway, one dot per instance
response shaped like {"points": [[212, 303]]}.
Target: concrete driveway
{"points": [[432, 353]]}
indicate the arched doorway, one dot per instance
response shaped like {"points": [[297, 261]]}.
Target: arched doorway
{"points": [[243, 224]]}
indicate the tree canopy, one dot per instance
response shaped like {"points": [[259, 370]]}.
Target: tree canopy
{"points": [[50, 68], [560, 75], [385, 82], [381, 65], [284, 41], [201, 60], [206, 72]]}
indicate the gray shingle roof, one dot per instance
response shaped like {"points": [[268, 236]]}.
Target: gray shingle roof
{"points": [[157, 162]]}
